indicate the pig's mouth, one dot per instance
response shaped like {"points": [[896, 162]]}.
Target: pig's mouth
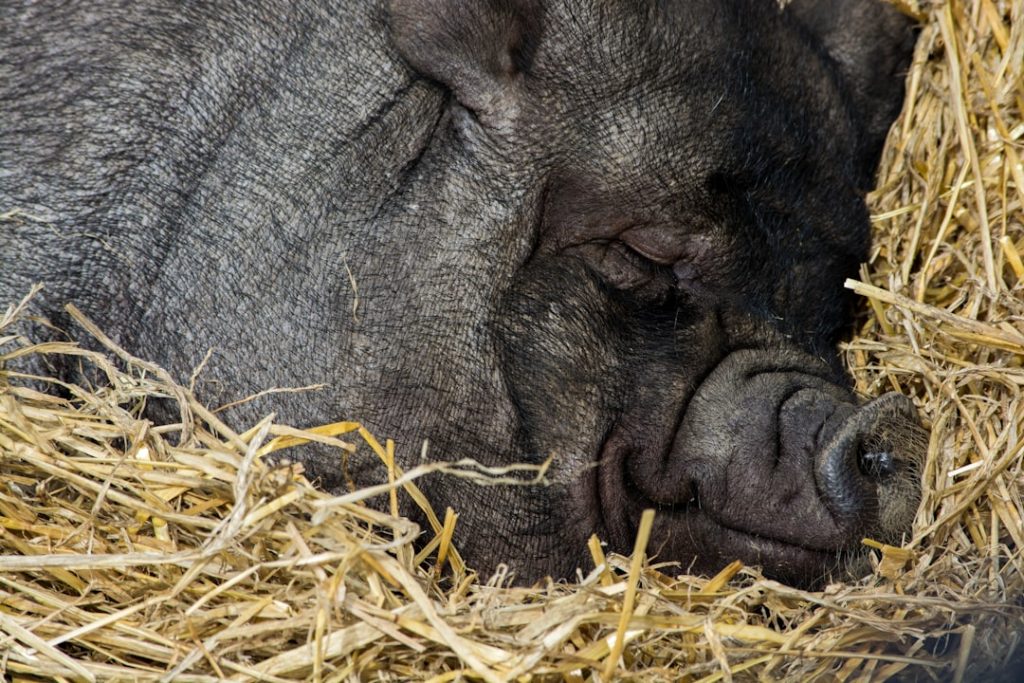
{"points": [[680, 528], [688, 533], [773, 466]]}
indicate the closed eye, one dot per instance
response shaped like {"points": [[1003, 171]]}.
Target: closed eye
{"points": [[624, 269]]}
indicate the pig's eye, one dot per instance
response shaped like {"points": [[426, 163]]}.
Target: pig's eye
{"points": [[624, 269]]}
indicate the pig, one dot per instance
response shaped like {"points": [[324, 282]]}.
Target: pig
{"points": [[607, 235]]}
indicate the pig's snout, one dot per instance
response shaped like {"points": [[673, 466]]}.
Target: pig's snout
{"points": [[868, 469], [775, 463]]}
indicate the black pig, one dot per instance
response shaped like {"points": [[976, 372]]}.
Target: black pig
{"points": [[609, 231]]}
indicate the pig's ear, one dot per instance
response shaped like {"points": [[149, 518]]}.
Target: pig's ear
{"points": [[872, 44], [477, 48]]}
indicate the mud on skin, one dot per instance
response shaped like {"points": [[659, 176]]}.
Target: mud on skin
{"points": [[610, 231]]}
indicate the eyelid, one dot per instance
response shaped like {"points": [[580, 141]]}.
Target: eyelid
{"points": [[624, 267], [654, 244]]}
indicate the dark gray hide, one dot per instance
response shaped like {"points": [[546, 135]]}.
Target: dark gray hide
{"points": [[611, 231]]}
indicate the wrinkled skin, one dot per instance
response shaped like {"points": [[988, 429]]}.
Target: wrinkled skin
{"points": [[607, 231]]}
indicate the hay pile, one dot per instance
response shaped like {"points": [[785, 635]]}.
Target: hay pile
{"points": [[135, 552]]}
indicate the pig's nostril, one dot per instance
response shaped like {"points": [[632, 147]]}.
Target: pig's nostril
{"points": [[877, 464]]}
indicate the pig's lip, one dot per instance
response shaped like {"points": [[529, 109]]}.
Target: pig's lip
{"points": [[621, 502], [679, 529], [691, 513], [779, 559]]}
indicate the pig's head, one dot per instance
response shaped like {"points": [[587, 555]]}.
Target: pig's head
{"points": [[677, 188]]}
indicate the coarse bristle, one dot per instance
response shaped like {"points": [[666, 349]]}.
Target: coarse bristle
{"points": [[135, 552]]}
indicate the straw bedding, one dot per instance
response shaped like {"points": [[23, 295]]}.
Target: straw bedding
{"points": [[139, 552]]}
